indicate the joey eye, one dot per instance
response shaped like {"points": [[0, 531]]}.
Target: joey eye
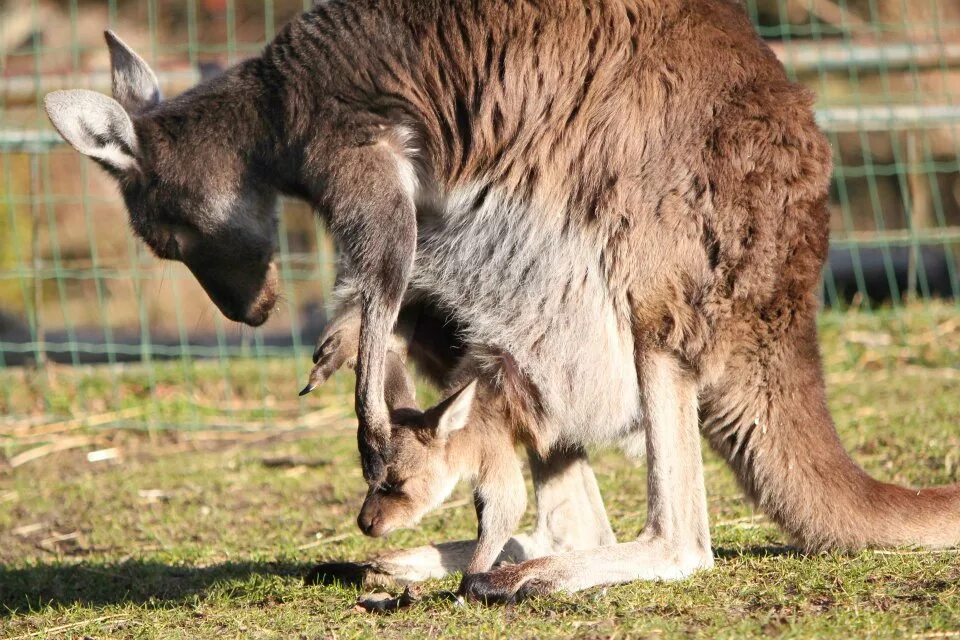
{"points": [[391, 488]]}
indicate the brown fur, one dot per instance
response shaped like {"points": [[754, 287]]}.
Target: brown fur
{"points": [[641, 169], [721, 187], [713, 210]]}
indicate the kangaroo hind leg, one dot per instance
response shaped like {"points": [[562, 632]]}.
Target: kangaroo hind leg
{"points": [[675, 541]]}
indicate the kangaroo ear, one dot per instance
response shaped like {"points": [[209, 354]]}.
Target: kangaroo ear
{"points": [[95, 125], [135, 85], [453, 413]]}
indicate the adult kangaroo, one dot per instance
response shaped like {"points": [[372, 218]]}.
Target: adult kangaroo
{"points": [[624, 201]]}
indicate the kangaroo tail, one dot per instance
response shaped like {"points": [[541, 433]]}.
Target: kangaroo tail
{"points": [[767, 415]]}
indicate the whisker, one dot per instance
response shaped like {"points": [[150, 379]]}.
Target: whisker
{"points": [[163, 277], [203, 312]]}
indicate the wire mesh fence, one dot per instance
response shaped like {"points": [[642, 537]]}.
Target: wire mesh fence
{"points": [[76, 289]]}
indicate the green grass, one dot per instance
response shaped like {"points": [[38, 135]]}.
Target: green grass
{"points": [[205, 532]]}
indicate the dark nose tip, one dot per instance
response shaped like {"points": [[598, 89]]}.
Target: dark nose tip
{"points": [[365, 523], [257, 318]]}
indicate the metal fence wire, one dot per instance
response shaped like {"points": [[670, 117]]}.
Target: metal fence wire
{"points": [[76, 288]]}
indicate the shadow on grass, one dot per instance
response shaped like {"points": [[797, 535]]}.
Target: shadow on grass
{"points": [[769, 551], [158, 584], [132, 582]]}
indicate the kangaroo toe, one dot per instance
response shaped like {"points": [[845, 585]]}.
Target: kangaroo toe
{"points": [[506, 585]]}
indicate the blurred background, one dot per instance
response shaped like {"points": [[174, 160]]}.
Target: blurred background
{"points": [[94, 332]]}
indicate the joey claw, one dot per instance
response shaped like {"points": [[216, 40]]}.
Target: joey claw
{"points": [[312, 383], [328, 358], [326, 348], [318, 375]]}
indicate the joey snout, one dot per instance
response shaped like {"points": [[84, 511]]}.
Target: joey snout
{"points": [[379, 514], [369, 519]]}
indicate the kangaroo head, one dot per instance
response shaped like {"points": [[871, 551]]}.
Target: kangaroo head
{"points": [[421, 472], [185, 176]]}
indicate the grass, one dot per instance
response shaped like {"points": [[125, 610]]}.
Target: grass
{"points": [[205, 531]]}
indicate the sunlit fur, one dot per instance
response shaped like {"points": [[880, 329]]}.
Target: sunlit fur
{"points": [[467, 436], [597, 194]]}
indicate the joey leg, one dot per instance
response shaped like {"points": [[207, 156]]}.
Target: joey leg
{"points": [[675, 541], [500, 498], [370, 203], [570, 513], [566, 491], [335, 348], [401, 567], [338, 345]]}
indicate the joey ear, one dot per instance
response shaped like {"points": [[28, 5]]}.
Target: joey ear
{"points": [[95, 125], [453, 413], [135, 85]]}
